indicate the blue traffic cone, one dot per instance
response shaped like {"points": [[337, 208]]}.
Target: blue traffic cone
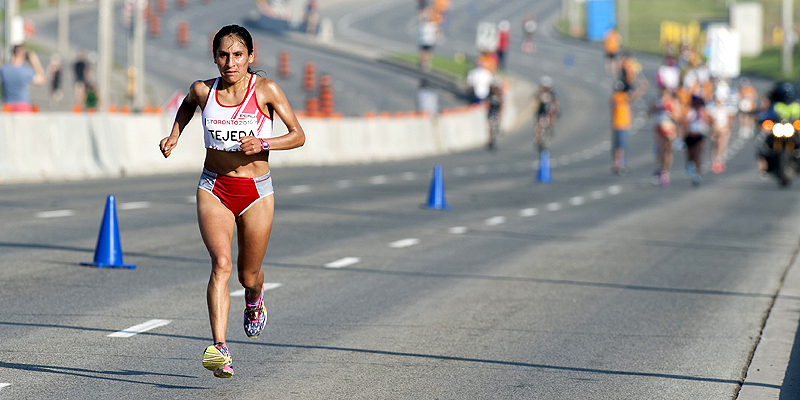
{"points": [[108, 252], [544, 168], [436, 199]]}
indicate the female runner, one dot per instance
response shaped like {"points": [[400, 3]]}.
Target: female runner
{"points": [[235, 189]]}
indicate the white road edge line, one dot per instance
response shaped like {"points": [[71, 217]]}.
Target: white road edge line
{"points": [[143, 327], [343, 262], [55, 214], [404, 243], [267, 286], [458, 230], [2, 385]]}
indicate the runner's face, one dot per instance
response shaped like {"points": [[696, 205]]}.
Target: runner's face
{"points": [[232, 59]]}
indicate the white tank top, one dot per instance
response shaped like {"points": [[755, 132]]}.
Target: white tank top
{"points": [[223, 126]]}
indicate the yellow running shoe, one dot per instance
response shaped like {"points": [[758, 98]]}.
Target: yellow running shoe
{"points": [[217, 358]]}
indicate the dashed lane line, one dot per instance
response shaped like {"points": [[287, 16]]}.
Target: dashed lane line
{"points": [[597, 195], [404, 243], [493, 221], [614, 190], [343, 262], [528, 212], [134, 205], [143, 327], [553, 206], [298, 189], [458, 230], [2, 385], [55, 214], [344, 184], [267, 286], [409, 176], [577, 201], [378, 180]]}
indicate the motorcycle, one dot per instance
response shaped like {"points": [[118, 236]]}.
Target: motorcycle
{"points": [[780, 148]]}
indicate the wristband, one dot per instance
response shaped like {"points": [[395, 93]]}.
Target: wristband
{"points": [[264, 144]]}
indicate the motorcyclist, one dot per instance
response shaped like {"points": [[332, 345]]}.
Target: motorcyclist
{"points": [[783, 108]]}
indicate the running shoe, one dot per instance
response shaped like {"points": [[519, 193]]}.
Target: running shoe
{"points": [[255, 316], [690, 169], [217, 358], [664, 179], [697, 180]]}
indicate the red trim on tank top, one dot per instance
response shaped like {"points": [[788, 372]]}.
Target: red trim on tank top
{"points": [[216, 94]]}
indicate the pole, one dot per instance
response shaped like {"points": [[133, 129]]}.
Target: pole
{"points": [[788, 37], [105, 36], [63, 27], [138, 54], [11, 13], [622, 19]]}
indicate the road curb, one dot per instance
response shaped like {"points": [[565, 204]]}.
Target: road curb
{"points": [[766, 376]]}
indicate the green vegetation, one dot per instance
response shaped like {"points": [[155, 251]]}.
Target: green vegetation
{"points": [[769, 65], [448, 65]]}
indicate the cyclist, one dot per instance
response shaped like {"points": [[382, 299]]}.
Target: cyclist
{"points": [[546, 113]]}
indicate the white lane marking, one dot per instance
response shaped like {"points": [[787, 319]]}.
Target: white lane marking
{"points": [[460, 171], [55, 214], [404, 243], [614, 190], [2, 385], [191, 199], [563, 160], [577, 200], [143, 327], [409, 176], [597, 195], [343, 262], [587, 154], [496, 220], [343, 184], [267, 286], [528, 212], [481, 169], [553, 206], [378, 180], [458, 230], [134, 205], [299, 189]]}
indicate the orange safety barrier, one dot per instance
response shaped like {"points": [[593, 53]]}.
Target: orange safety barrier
{"points": [[112, 108], [125, 109], [309, 75], [6, 108], [35, 108], [181, 3], [326, 96], [283, 64], [183, 33], [91, 110], [155, 25], [370, 114], [76, 108]]}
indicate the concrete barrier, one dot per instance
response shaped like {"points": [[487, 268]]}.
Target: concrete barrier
{"points": [[38, 147]]}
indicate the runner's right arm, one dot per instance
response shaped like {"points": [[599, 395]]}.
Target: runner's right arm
{"points": [[197, 91]]}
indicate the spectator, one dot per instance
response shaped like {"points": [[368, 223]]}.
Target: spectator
{"points": [[479, 79], [312, 17], [81, 70], [17, 78], [427, 98], [426, 39], [54, 76], [612, 42], [503, 39]]}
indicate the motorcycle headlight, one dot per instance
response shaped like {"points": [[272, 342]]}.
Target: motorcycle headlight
{"points": [[783, 130]]}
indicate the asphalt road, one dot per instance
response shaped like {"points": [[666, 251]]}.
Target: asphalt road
{"points": [[594, 286]]}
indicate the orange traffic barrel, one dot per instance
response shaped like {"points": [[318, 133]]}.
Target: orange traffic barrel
{"points": [[309, 75], [161, 6], [76, 108], [183, 33], [283, 64], [312, 106], [326, 94], [155, 25], [181, 3]]}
